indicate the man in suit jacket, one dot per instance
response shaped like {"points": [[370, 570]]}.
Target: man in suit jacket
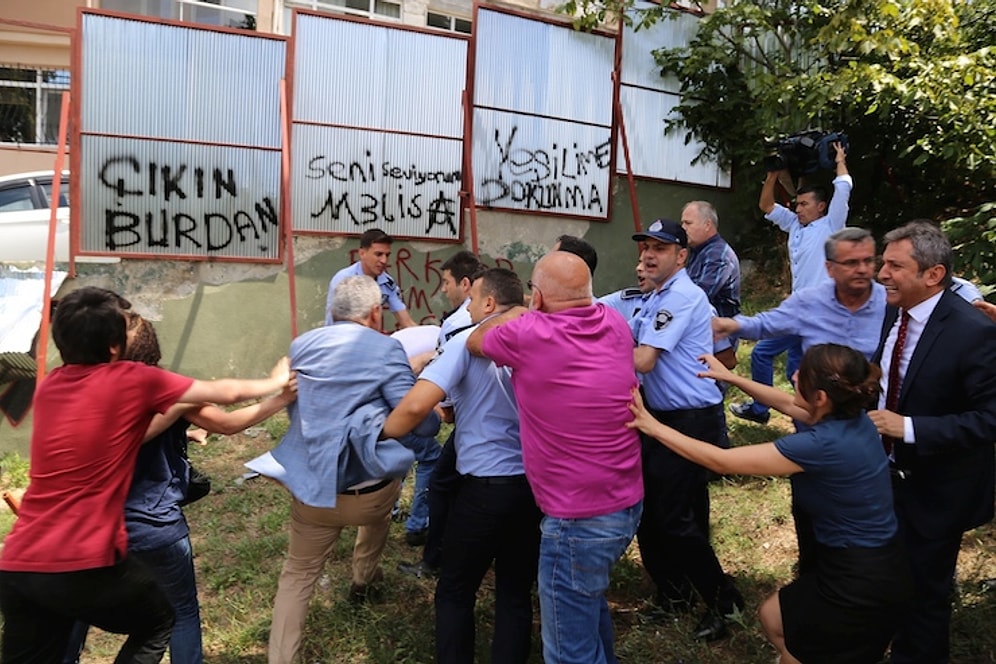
{"points": [[349, 377], [939, 426]]}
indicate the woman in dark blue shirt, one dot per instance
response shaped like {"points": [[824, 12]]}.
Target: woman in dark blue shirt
{"points": [[845, 609]]}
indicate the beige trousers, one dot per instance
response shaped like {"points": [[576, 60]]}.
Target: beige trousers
{"points": [[313, 533]]}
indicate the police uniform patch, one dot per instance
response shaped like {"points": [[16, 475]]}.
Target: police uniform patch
{"points": [[662, 319]]}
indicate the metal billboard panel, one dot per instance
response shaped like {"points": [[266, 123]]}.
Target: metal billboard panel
{"points": [[377, 128], [157, 198], [540, 164], [648, 100], [178, 153], [181, 83], [370, 75], [348, 180], [542, 142]]}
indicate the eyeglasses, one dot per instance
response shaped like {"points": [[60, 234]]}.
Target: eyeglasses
{"points": [[852, 263]]}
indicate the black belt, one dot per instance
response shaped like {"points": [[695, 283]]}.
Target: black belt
{"points": [[682, 413], [367, 489], [498, 479]]}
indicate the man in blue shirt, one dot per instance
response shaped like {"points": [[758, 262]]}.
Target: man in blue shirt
{"points": [[672, 332], [808, 227], [629, 301], [493, 516], [847, 310], [712, 263], [375, 251]]}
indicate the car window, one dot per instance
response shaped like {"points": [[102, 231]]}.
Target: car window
{"points": [[15, 198], [63, 192]]}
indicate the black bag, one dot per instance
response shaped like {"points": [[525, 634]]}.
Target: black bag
{"points": [[198, 487]]}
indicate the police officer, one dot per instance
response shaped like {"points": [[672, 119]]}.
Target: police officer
{"points": [[672, 331], [629, 301]]}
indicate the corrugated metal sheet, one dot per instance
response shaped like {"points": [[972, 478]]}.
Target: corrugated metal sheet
{"points": [[385, 85], [378, 77], [168, 81], [348, 180], [179, 199], [648, 100], [658, 156], [523, 162], [533, 155], [534, 67]]}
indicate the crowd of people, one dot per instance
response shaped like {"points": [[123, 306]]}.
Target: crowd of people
{"points": [[579, 425]]}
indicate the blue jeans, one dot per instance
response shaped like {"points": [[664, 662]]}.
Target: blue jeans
{"points": [[762, 362], [173, 568], [427, 451], [576, 559]]}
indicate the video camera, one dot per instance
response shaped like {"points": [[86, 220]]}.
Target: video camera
{"points": [[804, 152]]}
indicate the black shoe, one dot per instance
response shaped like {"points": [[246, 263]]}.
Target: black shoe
{"points": [[712, 627], [368, 592], [419, 570], [416, 537], [745, 411]]}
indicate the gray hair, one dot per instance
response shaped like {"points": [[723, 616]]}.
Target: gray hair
{"points": [[930, 245], [354, 298], [706, 210], [849, 234]]}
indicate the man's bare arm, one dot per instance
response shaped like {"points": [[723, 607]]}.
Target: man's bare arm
{"points": [[414, 408], [475, 341]]}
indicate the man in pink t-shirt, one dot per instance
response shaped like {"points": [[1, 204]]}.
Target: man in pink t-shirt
{"points": [[572, 372]]}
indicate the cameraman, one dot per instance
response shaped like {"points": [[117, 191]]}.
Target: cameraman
{"points": [[813, 221]]}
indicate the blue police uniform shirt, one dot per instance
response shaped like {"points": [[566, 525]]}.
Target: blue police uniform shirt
{"points": [[807, 254], [455, 322], [845, 487], [390, 294], [487, 419], [677, 321], [816, 315], [628, 301]]}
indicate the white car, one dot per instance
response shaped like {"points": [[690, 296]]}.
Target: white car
{"points": [[24, 217]]}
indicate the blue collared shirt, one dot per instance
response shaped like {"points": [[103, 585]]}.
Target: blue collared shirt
{"points": [[807, 255], [816, 315], [487, 419], [456, 321], [628, 301], [390, 294], [715, 268], [677, 321]]}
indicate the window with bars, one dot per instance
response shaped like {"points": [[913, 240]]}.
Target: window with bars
{"points": [[378, 9], [30, 100], [239, 14], [447, 22]]}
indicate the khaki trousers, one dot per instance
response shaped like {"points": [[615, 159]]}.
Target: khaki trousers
{"points": [[313, 533]]}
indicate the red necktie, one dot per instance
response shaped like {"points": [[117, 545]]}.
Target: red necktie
{"points": [[895, 382]]}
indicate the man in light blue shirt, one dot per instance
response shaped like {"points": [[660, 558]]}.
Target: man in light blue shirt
{"points": [[629, 301], [848, 309], [808, 227], [493, 516], [375, 250]]}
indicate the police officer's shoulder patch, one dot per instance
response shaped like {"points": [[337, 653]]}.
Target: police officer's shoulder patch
{"points": [[662, 319]]}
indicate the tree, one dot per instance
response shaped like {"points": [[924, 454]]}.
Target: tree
{"points": [[912, 82]]}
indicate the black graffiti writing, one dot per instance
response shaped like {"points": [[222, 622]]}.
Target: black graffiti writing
{"points": [[127, 176], [542, 165], [364, 170], [539, 196], [363, 209], [210, 231]]}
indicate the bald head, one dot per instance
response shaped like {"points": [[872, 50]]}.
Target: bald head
{"points": [[563, 281]]}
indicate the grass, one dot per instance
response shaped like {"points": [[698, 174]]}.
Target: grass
{"points": [[239, 534]]}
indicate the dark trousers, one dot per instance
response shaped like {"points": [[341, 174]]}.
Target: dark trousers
{"points": [[923, 637], [443, 484], [673, 533], [495, 520], [40, 609]]}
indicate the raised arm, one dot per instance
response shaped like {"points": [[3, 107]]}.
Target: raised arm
{"points": [[233, 390], [783, 402], [767, 200], [216, 420]]}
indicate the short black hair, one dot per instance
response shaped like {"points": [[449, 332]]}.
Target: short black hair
{"points": [[374, 236], [503, 285], [88, 323], [819, 193], [580, 248], [463, 265]]}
